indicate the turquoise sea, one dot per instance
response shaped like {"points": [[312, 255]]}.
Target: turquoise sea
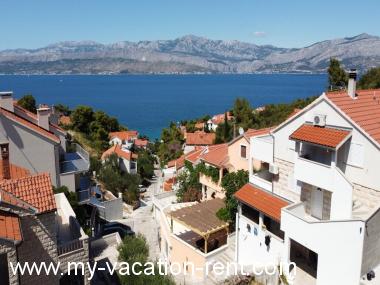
{"points": [[149, 102]]}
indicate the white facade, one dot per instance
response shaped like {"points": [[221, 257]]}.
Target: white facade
{"points": [[328, 221]]}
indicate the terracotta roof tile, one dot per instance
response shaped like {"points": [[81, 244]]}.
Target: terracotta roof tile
{"points": [[219, 118], [324, 136], [141, 143], [117, 149], [16, 171], [364, 110], [10, 227], [29, 125], [124, 135], [261, 200], [65, 120], [200, 138], [216, 155], [35, 190]]}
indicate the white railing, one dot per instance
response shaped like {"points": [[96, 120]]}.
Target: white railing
{"points": [[260, 182], [262, 148], [81, 151]]}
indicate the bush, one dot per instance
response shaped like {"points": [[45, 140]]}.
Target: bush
{"points": [[28, 102]]}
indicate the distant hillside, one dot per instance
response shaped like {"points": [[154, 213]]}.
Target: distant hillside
{"points": [[189, 54]]}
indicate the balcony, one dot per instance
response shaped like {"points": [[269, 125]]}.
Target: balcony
{"points": [[262, 179], [76, 161], [207, 181], [262, 148], [70, 235]]}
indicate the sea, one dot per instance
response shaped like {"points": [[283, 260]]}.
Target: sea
{"points": [[149, 103]]}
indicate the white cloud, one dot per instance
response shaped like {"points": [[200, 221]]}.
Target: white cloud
{"points": [[259, 34]]}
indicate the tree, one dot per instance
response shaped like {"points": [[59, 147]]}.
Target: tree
{"points": [[170, 146], [243, 113], [136, 249], [370, 80], [63, 109], [337, 76], [224, 131], [81, 118], [145, 164], [28, 102], [231, 183], [189, 188]]}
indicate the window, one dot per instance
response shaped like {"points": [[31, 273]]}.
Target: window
{"points": [[273, 227], [356, 154], [250, 213], [243, 151]]}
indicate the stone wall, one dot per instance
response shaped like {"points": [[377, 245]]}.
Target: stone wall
{"points": [[10, 250], [306, 198], [371, 247], [283, 182], [367, 196], [39, 245]]}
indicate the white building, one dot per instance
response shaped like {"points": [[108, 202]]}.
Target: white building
{"points": [[314, 191]]}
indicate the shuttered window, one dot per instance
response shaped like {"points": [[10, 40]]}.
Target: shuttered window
{"points": [[243, 151], [356, 154]]}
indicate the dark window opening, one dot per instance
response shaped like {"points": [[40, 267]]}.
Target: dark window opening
{"points": [[250, 213], [243, 151], [273, 226]]}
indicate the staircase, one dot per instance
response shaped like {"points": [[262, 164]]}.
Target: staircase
{"points": [[225, 258]]}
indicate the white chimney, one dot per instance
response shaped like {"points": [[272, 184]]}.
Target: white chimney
{"points": [[6, 101], [352, 74], [43, 114]]}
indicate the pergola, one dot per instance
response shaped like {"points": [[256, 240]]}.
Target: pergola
{"points": [[201, 219]]}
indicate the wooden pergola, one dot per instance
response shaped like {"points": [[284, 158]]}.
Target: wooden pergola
{"points": [[202, 220]]}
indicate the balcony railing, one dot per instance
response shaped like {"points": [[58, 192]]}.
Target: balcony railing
{"points": [[261, 180], [70, 247], [77, 161], [262, 148]]}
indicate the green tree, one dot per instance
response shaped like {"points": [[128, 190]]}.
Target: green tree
{"points": [[189, 188], [224, 131], [337, 76], [231, 183], [145, 164], [28, 102], [243, 113], [370, 80], [170, 145], [81, 118], [63, 109], [136, 249]]}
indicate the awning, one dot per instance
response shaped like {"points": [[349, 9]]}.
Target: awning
{"points": [[201, 218], [324, 136], [261, 200]]}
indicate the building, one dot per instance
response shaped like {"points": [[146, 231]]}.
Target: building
{"points": [[127, 159], [37, 226], [190, 233], [218, 119], [315, 198], [198, 139], [38, 144], [125, 138]]}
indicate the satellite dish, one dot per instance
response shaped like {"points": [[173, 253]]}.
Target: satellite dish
{"points": [[241, 131]]}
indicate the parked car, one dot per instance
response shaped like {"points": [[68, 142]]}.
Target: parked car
{"points": [[115, 227]]}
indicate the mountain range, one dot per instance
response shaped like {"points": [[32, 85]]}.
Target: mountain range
{"points": [[190, 54]]}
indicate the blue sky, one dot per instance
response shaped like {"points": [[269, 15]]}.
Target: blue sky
{"points": [[285, 23]]}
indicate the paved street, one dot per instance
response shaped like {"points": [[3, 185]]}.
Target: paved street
{"points": [[142, 221]]}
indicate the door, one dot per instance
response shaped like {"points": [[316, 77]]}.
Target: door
{"points": [[317, 203]]}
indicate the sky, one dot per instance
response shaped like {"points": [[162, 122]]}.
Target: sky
{"points": [[283, 23]]}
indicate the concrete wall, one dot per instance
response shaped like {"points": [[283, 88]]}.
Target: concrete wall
{"points": [[30, 150], [371, 249]]}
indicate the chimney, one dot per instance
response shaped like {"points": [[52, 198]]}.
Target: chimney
{"points": [[43, 114], [5, 157], [352, 74], [6, 101]]}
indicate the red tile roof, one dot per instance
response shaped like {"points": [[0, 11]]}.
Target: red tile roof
{"points": [[16, 171], [29, 125], [219, 118], [65, 120], [35, 190], [200, 138], [124, 135], [141, 143], [10, 227], [364, 110], [216, 155], [116, 149], [261, 200], [257, 132], [324, 136]]}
